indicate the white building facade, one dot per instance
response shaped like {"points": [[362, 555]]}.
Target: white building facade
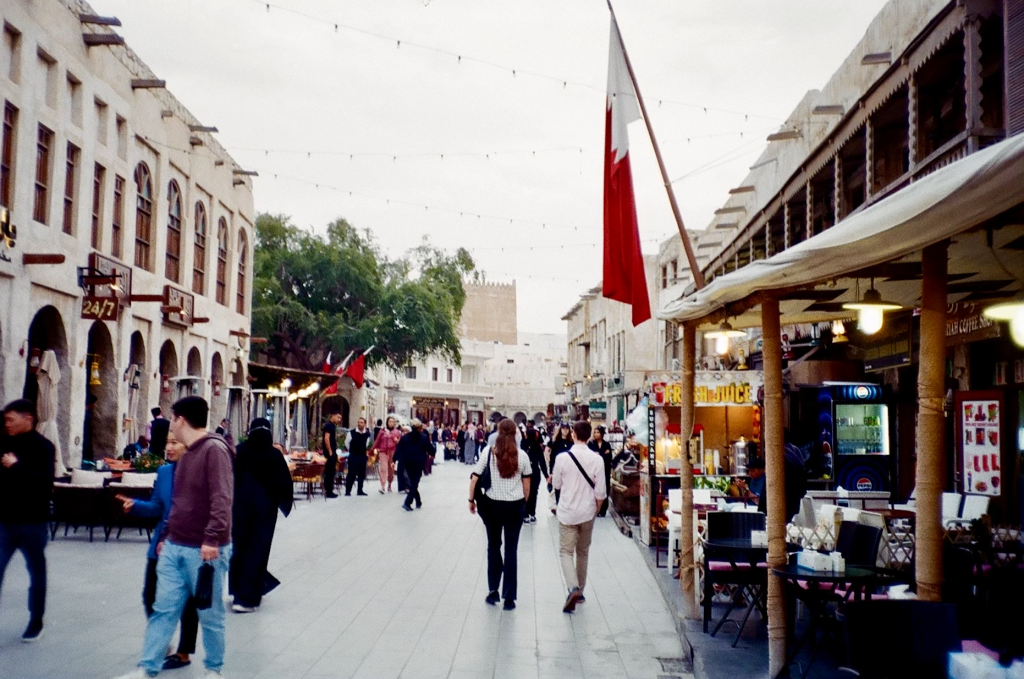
{"points": [[127, 234]]}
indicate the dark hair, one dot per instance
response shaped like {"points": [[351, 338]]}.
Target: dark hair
{"points": [[194, 409], [22, 406], [155, 411], [505, 450], [582, 430], [529, 423], [380, 422]]}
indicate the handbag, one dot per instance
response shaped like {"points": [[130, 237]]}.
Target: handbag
{"points": [[483, 482], [204, 587]]}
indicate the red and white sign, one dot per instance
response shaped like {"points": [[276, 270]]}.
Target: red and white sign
{"points": [[980, 430]]}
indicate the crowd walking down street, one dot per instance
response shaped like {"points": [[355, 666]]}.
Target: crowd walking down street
{"points": [[365, 590]]}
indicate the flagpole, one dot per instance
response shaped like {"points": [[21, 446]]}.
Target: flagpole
{"points": [[698, 277]]}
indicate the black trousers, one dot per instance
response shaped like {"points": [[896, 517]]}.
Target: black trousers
{"points": [[329, 470], [531, 501], [356, 472], [30, 539], [607, 485], [415, 475], [189, 615], [503, 518]]}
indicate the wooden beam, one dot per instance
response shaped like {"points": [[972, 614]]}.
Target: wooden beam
{"points": [[29, 259], [148, 84], [687, 563], [741, 189], [199, 320], [246, 173], [100, 39], [97, 20], [147, 298], [203, 128], [238, 333]]}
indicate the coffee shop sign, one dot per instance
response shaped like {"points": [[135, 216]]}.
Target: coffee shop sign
{"points": [[736, 393]]}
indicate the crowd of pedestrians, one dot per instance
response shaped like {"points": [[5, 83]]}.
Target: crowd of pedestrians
{"points": [[217, 508]]}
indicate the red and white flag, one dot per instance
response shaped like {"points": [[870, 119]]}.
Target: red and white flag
{"points": [[624, 277], [327, 363]]}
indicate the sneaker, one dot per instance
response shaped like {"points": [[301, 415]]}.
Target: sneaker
{"points": [[348, 494], [331, 495], [361, 493], [407, 508], [381, 491], [32, 632], [572, 600], [493, 598], [510, 605], [419, 505], [137, 673], [238, 608], [211, 674], [583, 599], [175, 661]]}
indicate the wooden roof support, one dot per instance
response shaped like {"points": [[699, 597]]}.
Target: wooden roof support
{"points": [[29, 259], [202, 128], [97, 20], [148, 84], [100, 39], [687, 564]]}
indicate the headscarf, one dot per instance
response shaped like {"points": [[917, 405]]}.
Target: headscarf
{"points": [[266, 464]]}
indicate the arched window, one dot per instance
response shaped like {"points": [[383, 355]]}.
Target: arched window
{"points": [[222, 261], [143, 216], [172, 269], [243, 261], [199, 252]]}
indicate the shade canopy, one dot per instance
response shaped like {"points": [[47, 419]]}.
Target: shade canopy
{"points": [[884, 240]]}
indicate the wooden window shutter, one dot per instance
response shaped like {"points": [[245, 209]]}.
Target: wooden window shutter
{"points": [[1014, 41]]}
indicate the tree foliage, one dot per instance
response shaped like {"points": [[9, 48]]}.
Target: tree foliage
{"points": [[314, 294]]}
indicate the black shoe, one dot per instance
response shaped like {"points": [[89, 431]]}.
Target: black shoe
{"points": [[174, 662], [348, 494], [510, 605], [493, 598], [407, 508], [572, 600], [331, 495], [583, 599], [419, 505], [361, 493], [32, 632]]}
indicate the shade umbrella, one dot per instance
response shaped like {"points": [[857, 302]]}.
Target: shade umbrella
{"points": [[48, 377], [133, 403]]}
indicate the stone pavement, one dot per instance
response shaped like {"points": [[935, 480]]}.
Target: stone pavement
{"points": [[368, 590]]}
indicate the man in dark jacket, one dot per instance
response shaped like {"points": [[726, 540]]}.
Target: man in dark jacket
{"points": [[412, 452], [158, 429], [26, 482], [534, 448], [198, 532]]}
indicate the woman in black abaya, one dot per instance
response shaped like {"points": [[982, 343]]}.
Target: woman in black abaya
{"points": [[263, 485]]}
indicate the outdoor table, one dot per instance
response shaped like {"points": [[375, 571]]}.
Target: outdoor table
{"points": [[820, 585], [736, 551]]}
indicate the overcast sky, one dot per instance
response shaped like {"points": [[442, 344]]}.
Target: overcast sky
{"points": [[419, 136]]}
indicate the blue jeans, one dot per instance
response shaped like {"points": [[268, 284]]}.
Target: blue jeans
{"points": [[31, 539], [177, 570]]}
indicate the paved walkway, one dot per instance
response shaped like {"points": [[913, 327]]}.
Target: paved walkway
{"points": [[368, 590]]}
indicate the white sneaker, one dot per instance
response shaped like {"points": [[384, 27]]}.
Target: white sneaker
{"points": [[242, 609], [137, 673], [211, 674]]}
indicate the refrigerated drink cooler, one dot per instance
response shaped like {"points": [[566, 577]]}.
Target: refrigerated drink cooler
{"points": [[855, 426]]}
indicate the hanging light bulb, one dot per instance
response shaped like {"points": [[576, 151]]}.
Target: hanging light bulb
{"points": [[839, 332], [870, 310], [1012, 312], [722, 336], [94, 373], [286, 384]]}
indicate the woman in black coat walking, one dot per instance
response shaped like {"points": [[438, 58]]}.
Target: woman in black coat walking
{"points": [[263, 485]]}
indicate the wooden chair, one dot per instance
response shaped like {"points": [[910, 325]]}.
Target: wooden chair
{"points": [[310, 475]]}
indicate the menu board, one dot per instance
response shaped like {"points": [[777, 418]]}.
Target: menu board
{"points": [[980, 429]]}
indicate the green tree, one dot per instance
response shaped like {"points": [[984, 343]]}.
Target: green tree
{"points": [[314, 294]]}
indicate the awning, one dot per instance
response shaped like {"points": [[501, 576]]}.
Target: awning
{"points": [[941, 205]]}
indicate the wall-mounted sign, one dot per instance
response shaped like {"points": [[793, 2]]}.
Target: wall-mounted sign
{"points": [[179, 306], [428, 402], [964, 323], [99, 308], [711, 388], [892, 346], [121, 291]]}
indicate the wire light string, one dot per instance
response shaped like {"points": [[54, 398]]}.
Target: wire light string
{"points": [[515, 72]]}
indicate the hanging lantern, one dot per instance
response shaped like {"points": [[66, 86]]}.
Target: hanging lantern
{"points": [[870, 310], [722, 336], [34, 357], [94, 373], [839, 332], [216, 387], [165, 386]]}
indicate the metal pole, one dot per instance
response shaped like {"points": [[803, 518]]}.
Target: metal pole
{"points": [[931, 425], [775, 482], [698, 276]]}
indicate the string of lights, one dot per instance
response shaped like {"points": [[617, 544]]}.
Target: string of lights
{"points": [[515, 72]]}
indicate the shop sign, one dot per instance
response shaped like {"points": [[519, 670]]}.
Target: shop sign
{"points": [[735, 393], [427, 402], [964, 324], [892, 346], [8, 235], [105, 266], [99, 308], [183, 302], [598, 410]]}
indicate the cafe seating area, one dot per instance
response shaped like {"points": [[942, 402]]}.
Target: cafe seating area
{"points": [[87, 500]]}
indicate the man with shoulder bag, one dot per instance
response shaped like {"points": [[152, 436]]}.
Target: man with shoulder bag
{"points": [[579, 475]]}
